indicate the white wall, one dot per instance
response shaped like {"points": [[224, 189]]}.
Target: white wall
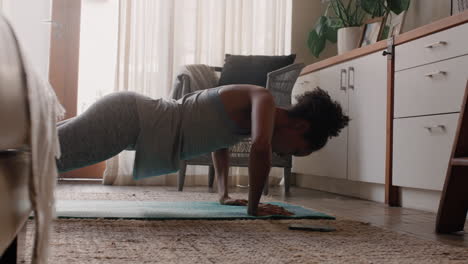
{"points": [[304, 15], [422, 12], [98, 50], [28, 21]]}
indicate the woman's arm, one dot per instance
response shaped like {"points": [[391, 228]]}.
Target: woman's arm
{"points": [[221, 166], [262, 116]]}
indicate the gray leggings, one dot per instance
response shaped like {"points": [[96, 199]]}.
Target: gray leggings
{"points": [[106, 128]]}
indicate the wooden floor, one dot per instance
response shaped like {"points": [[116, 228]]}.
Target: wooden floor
{"points": [[414, 222]]}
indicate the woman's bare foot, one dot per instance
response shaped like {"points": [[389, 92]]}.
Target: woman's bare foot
{"points": [[265, 209], [226, 200]]}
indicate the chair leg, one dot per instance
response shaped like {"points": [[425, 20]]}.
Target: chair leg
{"points": [[181, 176], [267, 186], [211, 176], [287, 179]]}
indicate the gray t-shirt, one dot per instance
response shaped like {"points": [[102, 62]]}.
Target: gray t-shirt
{"points": [[171, 131]]}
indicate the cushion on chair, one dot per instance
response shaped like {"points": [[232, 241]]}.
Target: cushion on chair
{"points": [[239, 69]]}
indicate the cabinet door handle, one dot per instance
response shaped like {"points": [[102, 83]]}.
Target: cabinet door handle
{"points": [[342, 86], [430, 128], [350, 76], [436, 44], [432, 74]]}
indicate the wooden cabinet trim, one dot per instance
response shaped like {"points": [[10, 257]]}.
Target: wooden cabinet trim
{"points": [[381, 45]]}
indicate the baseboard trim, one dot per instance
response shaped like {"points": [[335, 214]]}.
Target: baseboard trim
{"points": [[425, 200], [367, 191], [80, 180]]}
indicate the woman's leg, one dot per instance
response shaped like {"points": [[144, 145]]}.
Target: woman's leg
{"points": [[101, 132]]}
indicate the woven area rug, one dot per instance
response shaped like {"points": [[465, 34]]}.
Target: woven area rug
{"points": [[239, 241], [219, 241]]}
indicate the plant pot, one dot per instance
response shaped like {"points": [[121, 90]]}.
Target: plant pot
{"points": [[348, 39]]}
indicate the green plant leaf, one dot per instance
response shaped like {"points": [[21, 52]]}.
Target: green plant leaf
{"points": [[321, 25], [316, 43], [335, 23], [350, 15], [331, 31], [398, 6], [346, 13], [385, 32], [373, 7], [331, 35], [337, 9]]}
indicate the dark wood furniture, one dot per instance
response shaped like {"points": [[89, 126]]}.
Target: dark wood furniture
{"points": [[15, 251], [454, 201]]}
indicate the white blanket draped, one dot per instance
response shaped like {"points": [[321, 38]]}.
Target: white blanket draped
{"points": [[44, 111]]}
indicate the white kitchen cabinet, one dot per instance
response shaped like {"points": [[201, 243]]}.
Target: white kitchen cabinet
{"points": [[303, 83], [432, 88], [358, 153], [422, 148], [330, 161], [367, 91], [429, 88], [428, 83], [435, 47]]}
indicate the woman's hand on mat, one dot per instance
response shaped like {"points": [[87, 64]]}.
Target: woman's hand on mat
{"points": [[271, 209], [229, 201]]}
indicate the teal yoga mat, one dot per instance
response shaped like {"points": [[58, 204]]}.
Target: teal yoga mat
{"points": [[154, 210]]}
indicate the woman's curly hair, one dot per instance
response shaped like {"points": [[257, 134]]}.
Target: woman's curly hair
{"points": [[324, 115]]}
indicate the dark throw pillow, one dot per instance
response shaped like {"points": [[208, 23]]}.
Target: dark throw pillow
{"points": [[239, 69]]}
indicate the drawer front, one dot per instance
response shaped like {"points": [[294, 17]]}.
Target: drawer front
{"points": [[421, 150], [417, 92], [438, 46]]}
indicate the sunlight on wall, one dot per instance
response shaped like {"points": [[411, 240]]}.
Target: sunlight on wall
{"points": [[98, 50], [31, 23]]}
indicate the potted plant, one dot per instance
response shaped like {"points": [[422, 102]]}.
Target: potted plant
{"points": [[343, 26], [384, 8]]}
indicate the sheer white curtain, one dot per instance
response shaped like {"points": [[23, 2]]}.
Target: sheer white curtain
{"points": [[157, 37]]}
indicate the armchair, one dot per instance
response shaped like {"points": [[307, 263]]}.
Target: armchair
{"points": [[280, 82]]}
